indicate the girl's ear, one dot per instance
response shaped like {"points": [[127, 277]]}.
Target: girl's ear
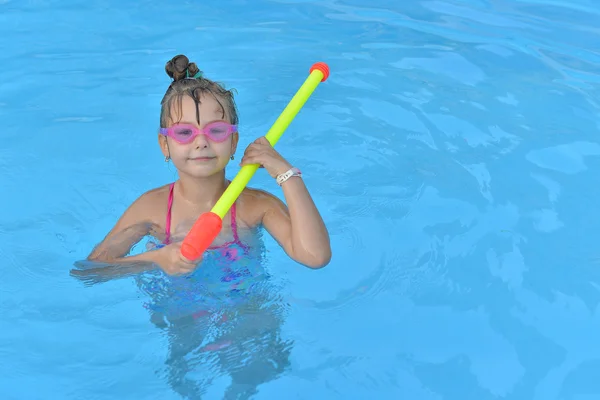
{"points": [[234, 142], [164, 146]]}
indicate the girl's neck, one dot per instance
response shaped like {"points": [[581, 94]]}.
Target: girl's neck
{"points": [[201, 192]]}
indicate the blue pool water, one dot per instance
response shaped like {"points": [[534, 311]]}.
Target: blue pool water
{"points": [[453, 153]]}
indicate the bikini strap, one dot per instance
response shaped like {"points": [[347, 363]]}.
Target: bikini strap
{"points": [[168, 222], [234, 230]]}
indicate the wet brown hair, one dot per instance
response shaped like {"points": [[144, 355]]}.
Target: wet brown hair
{"points": [[182, 71]]}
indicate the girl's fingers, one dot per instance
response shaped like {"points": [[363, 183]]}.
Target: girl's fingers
{"points": [[252, 152], [251, 160], [248, 160]]}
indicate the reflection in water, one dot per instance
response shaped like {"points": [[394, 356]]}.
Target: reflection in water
{"points": [[222, 321]]}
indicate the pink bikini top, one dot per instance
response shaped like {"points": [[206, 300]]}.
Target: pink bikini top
{"points": [[236, 239]]}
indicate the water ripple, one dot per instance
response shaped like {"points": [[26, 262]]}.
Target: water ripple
{"points": [[452, 154]]}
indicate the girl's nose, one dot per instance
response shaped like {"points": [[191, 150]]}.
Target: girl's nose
{"points": [[201, 141]]}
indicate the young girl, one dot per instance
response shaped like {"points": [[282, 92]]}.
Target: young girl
{"points": [[199, 134]]}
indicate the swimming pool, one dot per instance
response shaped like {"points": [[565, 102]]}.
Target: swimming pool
{"points": [[453, 153]]}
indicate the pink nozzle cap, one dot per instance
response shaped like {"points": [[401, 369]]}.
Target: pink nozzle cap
{"points": [[321, 66]]}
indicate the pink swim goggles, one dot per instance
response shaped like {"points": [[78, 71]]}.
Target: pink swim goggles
{"points": [[217, 131]]}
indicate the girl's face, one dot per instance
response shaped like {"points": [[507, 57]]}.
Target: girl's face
{"points": [[202, 156]]}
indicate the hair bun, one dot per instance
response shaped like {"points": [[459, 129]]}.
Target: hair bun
{"points": [[180, 67]]}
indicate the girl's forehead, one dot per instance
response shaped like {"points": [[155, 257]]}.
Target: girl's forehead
{"points": [[207, 109], [207, 105]]}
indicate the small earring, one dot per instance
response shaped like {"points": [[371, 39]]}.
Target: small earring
{"points": [[167, 158], [232, 157]]}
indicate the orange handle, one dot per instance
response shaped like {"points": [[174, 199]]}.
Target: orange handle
{"points": [[203, 233]]}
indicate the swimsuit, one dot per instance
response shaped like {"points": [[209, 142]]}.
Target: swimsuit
{"points": [[230, 249], [225, 275]]}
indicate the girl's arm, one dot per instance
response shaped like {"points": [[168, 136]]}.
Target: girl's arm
{"points": [[109, 258], [119, 241], [133, 225], [298, 228], [96, 272]]}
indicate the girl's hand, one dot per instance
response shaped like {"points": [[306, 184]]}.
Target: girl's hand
{"points": [[261, 152], [173, 262]]}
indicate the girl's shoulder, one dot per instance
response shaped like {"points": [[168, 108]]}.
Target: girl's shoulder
{"points": [[144, 213], [253, 204], [152, 202], [157, 194]]}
